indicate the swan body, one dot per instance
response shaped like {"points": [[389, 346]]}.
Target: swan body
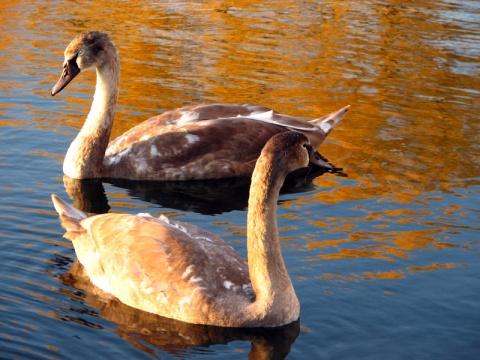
{"points": [[180, 271], [193, 142]]}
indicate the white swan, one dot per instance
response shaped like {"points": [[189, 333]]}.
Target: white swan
{"points": [[180, 271], [194, 142]]}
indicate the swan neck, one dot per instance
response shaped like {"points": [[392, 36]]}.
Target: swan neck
{"points": [[85, 156], [273, 288]]}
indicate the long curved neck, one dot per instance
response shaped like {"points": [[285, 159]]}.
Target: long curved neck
{"points": [[275, 297], [84, 159]]}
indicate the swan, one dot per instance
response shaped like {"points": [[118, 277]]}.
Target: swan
{"points": [[194, 142], [180, 271]]}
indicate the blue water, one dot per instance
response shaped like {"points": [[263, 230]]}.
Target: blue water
{"points": [[384, 259]]}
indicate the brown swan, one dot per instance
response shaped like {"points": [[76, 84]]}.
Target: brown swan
{"points": [[180, 271], [194, 142]]}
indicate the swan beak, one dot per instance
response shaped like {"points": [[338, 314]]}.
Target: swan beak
{"points": [[70, 70], [316, 160]]}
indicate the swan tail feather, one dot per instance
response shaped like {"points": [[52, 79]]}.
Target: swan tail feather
{"points": [[328, 122], [69, 216]]}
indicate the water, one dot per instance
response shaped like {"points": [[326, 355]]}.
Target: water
{"points": [[384, 259]]}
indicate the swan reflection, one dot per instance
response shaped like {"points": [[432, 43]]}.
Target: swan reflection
{"points": [[208, 197]]}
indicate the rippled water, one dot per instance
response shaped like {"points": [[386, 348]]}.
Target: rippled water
{"points": [[385, 259]]}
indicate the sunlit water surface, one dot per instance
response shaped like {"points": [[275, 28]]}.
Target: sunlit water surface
{"points": [[384, 259]]}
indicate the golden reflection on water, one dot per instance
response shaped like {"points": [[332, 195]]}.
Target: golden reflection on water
{"points": [[309, 62], [306, 62], [413, 90], [409, 146]]}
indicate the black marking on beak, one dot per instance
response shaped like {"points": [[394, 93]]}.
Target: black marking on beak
{"points": [[70, 70]]}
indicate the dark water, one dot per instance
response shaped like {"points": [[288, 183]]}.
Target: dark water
{"points": [[385, 260]]}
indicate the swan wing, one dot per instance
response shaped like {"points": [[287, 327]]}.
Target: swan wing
{"points": [[208, 149], [197, 113], [191, 143], [166, 267]]}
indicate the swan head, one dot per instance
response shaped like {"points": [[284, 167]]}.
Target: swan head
{"points": [[289, 139], [88, 50], [289, 151]]}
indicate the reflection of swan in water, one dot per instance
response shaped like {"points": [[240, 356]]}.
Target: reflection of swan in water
{"points": [[201, 196], [146, 331], [207, 197], [194, 142], [180, 271], [88, 195]]}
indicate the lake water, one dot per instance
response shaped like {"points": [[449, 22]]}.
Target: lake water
{"points": [[385, 258]]}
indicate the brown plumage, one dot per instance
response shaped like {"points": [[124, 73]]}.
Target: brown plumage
{"points": [[180, 271], [193, 142]]}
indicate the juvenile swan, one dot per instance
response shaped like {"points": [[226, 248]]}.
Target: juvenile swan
{"points": [[193, 142], [180, 271]]}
